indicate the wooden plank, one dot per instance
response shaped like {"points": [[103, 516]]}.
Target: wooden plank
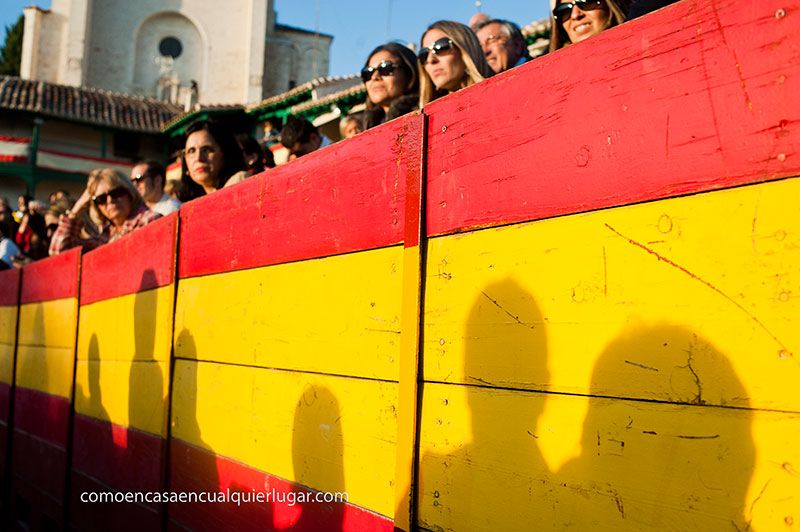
{"points": [[42, 415], [196, 470], [141, 261], [666, 287], [121, 458], [489, 461], [336, 315], [120, 517], [698, 96], [51, 278], [326, 433], [8, 342], [347, 197], [126, 328], [46, 350], [9, 287]]}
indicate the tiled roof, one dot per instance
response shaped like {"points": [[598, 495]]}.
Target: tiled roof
{"points": [[83, 104], [354, 91], [537, 35], [199, 110], [307, 87]]}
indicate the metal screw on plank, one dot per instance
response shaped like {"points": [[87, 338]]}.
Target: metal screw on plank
{"points": [[780, 13], [444, 128]]}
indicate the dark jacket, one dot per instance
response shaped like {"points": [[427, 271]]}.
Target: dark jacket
{"points": [[402, 105], [643, 7]]}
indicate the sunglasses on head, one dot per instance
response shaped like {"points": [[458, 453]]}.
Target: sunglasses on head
{"points": [[139, 177], [384, 68], [114, 194], [442, 45], [563, 10]]}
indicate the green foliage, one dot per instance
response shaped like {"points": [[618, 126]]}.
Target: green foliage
{"points": [[11, 51]]}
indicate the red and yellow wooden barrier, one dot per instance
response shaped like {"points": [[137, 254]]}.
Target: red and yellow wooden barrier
{"points": [[632, 367], [288, 325], [9, 310], [48, 322], [122, 376], [565, 297]]}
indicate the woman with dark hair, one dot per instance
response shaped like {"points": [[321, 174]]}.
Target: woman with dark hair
{"points": [[114, 201], [211, 160], [390, 76], [576, 21], [450, 59], [256, 158]]}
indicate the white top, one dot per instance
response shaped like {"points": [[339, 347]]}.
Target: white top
{"points": [[166, 205], [8, 249]]}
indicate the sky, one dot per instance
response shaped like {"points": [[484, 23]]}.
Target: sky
{"points": [[359, 25]]}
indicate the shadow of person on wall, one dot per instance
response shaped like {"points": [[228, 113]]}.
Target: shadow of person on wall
{"points": [[192, 463], [93, 448], [499, 470], [680, 460], [317, 455]]}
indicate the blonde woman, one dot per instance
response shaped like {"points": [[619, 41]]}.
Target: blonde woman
{"points": [[576, 21], [450, 59], [114, 201]]}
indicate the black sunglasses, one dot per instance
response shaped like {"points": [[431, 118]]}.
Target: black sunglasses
{"points": [[114, 194], [442, 45], [139, 177], [384, 68], [563, 10]]}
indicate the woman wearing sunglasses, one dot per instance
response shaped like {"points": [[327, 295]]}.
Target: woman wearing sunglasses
{"points": [[390, 75], [211, 160], [114, 201], [450, 59], [578, 20]]}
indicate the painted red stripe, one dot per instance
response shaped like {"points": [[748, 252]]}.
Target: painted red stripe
{"points": [[143, 260], [20, 140], [698, 96], [346, 197], [51, 278], [5, 401], [195, 470], [43, 512], [40, 464], [13, 159], [121, 458], [119, 517], [42, 415], [9, 287], [413, 144]]}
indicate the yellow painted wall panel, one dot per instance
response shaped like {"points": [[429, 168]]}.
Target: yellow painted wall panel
{"points": [[325, 432], [127, 393], [49, 323], [638, 465], [337, 315], [46, 369], [136, 326], [8, 340], [669, 289]]}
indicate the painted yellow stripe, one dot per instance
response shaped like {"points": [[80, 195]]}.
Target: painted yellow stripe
{"points": [[8, 340], [637, 466], [409, 376], [328, 433], [668, 288], [336, 315], [129, 394], [131, 327], [123, 359], [46, 351]]}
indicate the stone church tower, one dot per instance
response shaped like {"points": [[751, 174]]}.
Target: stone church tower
{"points": [[204, 51]]}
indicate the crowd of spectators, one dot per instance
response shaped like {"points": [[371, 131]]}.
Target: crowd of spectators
{"points": [[450, 56]]}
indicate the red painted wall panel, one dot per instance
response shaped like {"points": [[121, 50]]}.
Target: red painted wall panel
{"points": [[698, 96], [194, 469], [40, 464], [51, 278], [347, 197], [9, 287], [42, 415], [101, 517], [119, 457], [143, 260]]}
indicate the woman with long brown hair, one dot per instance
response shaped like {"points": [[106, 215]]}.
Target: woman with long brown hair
{"points": [[576, 21]]}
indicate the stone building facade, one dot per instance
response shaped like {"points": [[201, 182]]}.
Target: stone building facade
{"points": [[182, 51]]}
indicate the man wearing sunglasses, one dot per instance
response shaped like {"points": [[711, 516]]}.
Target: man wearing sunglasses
{"points": [[148, 177], [502, 43]]}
